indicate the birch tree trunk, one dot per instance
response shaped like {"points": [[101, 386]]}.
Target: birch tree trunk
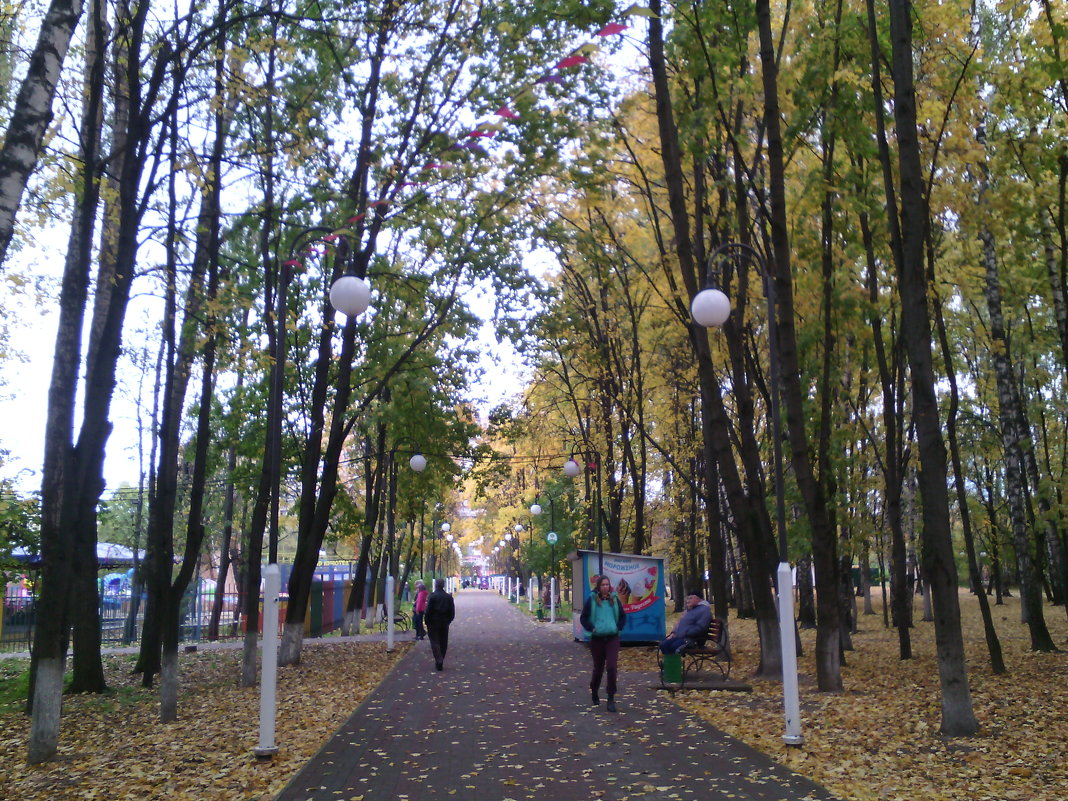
{"points": [[1015, 480], [32, 112]]}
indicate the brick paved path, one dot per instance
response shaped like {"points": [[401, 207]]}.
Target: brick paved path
{"points": [[510, 718]]}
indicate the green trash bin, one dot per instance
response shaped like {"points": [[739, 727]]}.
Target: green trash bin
{"points": [[672, 672]]}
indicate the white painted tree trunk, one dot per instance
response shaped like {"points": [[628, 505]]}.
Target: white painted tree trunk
{"points": [[168, 687], [47, 706], [292, 640]]}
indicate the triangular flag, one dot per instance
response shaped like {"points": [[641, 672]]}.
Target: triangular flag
{"points": [[611, 28], [482, 133], [505, 112], [377, 203], [550, 77], [291, 263], [571, 61], [358, 217]]}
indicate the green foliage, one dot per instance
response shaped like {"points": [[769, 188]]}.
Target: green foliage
{"points": [[117, 518], [20, 528]]}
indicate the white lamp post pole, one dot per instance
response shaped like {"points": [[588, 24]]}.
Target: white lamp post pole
{"points": [[350, 295], [710, 308]]}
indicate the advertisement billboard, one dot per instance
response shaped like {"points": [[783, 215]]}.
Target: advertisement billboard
{"points": [[639, 582]]}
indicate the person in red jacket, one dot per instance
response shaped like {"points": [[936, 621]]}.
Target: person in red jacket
{"points": [[419, 610]]}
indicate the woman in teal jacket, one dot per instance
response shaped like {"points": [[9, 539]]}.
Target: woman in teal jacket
{"points": [[603, 617]]}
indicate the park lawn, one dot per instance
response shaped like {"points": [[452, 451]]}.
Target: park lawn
{"points": [[879, 741]]}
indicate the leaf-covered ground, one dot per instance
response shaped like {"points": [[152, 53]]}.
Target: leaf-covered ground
{"points": [[878, 740], [113, 748]]}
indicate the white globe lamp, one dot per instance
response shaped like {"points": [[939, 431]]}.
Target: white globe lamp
{"points": [[350, 295], [710, 308]]}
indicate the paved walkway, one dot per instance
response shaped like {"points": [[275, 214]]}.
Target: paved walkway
{"points": [[510, 718]]}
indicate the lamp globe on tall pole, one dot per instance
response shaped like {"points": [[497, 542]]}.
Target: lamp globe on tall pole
{"points": [[711, 308], [350, 295], [572, 469]]}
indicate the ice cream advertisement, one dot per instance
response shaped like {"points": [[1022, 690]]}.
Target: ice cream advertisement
{"points": [[639, 583]]}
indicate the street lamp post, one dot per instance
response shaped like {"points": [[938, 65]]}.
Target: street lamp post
{"points": [[445, 528], [550, 537], [572, 469], [351, 297], [711, 308]]}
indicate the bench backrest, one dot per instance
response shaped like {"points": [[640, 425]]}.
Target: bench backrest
{"points": [[717, 633]]}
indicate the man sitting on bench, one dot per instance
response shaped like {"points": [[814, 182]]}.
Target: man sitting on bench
{"points": [[692, 627]]}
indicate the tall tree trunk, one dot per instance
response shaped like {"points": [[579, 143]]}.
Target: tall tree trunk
{"points": [[205, 259], [268, 480], [177, 364], [714, 424], [993, 645], [87, 674], [958, 718], [59, 486], [225, 559], [889, 372], [824, 539], [1015, 479]]}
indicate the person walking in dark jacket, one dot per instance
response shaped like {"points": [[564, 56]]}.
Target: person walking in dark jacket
{"points": [[440, 611], [603, 616]]}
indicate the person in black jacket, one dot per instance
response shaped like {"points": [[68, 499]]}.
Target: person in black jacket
{"points": [[440, 611], [603, 616]]}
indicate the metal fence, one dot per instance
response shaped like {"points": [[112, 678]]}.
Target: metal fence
{"points": [[117, 626], [326, 607]]}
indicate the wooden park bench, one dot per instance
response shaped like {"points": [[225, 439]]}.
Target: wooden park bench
{"points": [[715, 652], [401, 621]]}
